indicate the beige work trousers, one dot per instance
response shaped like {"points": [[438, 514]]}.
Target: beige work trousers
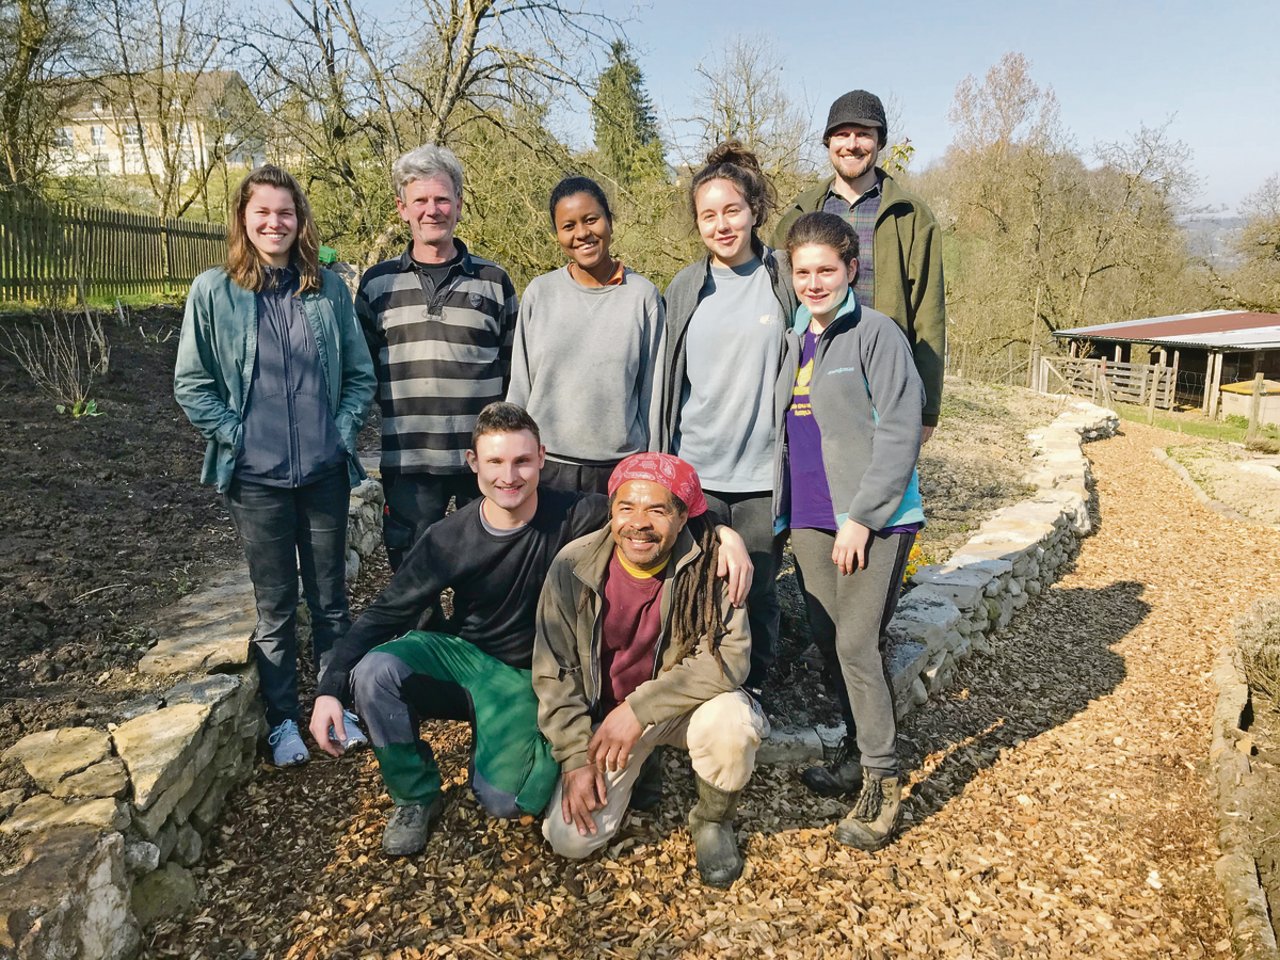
{"points": [[721, 737]]}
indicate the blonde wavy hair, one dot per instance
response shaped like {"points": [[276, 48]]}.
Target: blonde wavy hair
{"points": [[244, 266]]}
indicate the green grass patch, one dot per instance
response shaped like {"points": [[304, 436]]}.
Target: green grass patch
{"points": [[1231, 429]]}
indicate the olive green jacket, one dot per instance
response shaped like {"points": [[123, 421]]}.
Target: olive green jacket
{"points": [[908, 262]]}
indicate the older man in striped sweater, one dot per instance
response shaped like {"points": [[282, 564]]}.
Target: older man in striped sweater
{"points": [[439, 322]]}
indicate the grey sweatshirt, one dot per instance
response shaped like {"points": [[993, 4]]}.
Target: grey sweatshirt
{"points": [[733, 344], [587, 365]]}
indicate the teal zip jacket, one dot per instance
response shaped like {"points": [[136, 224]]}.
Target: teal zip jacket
{"points": [[867, 397], [218, 349]]}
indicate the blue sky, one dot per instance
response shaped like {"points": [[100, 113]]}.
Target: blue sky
{"points": [[1113, 66]]}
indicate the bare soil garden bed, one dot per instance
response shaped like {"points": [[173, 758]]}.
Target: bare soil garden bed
{"points": [[103, 523]]}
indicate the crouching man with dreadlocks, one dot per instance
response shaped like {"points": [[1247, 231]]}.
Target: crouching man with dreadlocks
{"points": [[638, 646]]}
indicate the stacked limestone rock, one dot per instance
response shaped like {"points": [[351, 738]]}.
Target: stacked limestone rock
{"points": [[953, 608], [124, 812], [364, 525]]}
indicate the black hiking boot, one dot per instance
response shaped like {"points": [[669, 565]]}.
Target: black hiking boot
{"points": [[646, 795], [841, 776]]}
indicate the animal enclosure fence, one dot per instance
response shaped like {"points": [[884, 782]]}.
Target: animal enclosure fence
{"points": [[52, 252], [1109, 382]]}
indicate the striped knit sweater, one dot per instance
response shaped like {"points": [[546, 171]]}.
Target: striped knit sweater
{"points": [[440, 357]]}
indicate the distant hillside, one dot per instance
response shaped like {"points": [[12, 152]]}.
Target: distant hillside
{"points": [[1211, 238]]}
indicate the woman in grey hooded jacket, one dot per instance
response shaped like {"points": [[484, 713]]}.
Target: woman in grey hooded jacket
{"points": [[849, 398]]}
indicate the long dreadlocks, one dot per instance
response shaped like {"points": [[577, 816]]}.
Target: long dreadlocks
{"points": [[696, 616]]}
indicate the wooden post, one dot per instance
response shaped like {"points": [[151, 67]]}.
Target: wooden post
{"points": [[1154, 392], [1216, 386], [1173, 382], [1033, 377], [1255, 407], [1208, 383], [1119, 352]]}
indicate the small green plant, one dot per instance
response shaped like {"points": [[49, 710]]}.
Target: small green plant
{"points": [[1258, 637], [81, 408]]}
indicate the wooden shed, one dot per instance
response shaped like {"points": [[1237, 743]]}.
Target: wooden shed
{"points": [[1187, 357]]}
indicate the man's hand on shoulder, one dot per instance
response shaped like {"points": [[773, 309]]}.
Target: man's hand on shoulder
{"points": [[328, 712], [733, 565], [611, 745]]}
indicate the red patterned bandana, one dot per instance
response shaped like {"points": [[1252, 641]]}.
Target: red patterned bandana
{"points": [[666, 471]]}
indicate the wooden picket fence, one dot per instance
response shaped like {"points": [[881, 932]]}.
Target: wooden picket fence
{"points": [[57, 252]]}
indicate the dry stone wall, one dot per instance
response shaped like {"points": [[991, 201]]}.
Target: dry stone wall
{"points": [[121, 813], [953, 609]]}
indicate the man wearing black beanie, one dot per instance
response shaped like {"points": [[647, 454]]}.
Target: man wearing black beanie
{"points": [[899, 243]]}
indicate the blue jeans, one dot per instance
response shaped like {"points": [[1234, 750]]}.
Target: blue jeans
{"points": [[286, 532]]}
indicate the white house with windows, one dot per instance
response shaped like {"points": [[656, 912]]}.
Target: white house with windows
{"points": [[159, 123]]}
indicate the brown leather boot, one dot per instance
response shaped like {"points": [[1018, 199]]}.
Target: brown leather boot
{"points": [[874, 819], [711, 825]]}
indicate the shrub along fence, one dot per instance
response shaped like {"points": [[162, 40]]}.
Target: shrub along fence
{"points": [[55, 252]]}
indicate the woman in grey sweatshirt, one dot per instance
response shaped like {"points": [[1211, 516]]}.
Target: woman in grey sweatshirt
{"points": [[726, 314], [587, 361]]}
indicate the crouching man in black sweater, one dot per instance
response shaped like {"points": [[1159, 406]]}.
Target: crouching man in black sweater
{"points": [[494, 553]]}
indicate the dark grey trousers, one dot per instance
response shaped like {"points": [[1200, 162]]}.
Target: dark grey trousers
{"points": [[286, 531], [586, 477], [417, 500], [848, 617]]}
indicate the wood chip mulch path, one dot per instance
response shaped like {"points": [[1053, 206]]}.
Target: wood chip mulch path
{"points": [[1059, 804]]}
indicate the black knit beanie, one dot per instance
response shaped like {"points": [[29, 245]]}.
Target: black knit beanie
{"points": [[859, 108]]}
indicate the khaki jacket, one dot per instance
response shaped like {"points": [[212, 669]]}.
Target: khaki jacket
{"points": [[566, 650]]}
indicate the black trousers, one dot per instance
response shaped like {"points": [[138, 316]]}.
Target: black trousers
{"points": [[417, 500], [751, 515]]}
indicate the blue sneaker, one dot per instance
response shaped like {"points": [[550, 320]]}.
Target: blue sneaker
{"points": [[287, 748], [356, 738]]}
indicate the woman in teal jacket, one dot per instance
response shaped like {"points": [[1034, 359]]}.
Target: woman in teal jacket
{"points": [[849, 399], [274, 373]]}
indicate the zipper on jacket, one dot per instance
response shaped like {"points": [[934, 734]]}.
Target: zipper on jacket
{"points": [[295, 454]]}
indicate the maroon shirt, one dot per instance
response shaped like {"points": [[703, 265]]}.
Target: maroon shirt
{"points": [[630, 627]]}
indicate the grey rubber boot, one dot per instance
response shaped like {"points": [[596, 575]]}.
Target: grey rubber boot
{"points": [[841, 776], [711, 825], [408, 827], [874, 819]]}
